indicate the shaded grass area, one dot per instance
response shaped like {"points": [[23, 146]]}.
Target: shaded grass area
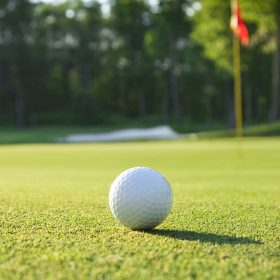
{"points": [[52, 134], [203, 237], [44, 134], [272, 129], [55, 222]]}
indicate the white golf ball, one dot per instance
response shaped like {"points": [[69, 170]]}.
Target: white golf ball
{"points": [[140, 198]]}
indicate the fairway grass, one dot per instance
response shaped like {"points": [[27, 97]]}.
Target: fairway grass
{"points": [[224, 224]]}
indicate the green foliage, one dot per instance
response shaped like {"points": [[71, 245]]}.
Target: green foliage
{"points": [[56, 223], [68, 63], [129, 21], [264, 14], [213, 32]]}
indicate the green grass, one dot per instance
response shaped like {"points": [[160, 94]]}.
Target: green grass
{"points": [[225, 223], [269, 129], [44, 134], [52, 134]]}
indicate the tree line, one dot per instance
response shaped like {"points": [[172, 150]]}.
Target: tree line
{"points": [[171, 63]]}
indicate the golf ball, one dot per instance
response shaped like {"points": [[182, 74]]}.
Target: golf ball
{"points": [[140, 198]]}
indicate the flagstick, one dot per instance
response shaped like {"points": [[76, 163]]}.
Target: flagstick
{"points": [[237, 84], [237, 87]]}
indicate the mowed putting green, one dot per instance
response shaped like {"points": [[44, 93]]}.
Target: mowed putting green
{"points": [[225, 221]]}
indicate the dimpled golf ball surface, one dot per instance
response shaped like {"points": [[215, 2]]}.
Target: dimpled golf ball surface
{"points": [[140, 198]]}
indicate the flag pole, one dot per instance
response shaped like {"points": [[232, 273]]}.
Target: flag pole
{"points": [[237, 81]]}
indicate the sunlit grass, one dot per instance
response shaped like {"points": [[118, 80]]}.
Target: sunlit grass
{"points": [[225, 222]]}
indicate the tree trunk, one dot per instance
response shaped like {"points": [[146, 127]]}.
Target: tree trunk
{"points": [[19, 102], [249, 106], [274, 114], [137, 85], [87, 105], [209, 112], [65, 81], [165, 107], [141, 105], [174, 81], [275, 101], [258, 109], [230, 107]]}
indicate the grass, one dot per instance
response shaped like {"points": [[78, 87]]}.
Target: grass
{"points": [[51, 134], [225, 221], [270, 129], [44, 134]]}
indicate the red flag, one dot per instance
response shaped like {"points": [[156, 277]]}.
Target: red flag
{"points": [[238, 26]]}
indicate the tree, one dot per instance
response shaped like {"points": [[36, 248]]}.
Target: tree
{"points": [[169, 34], [215, 37], [213, 33], [266, 16], [73, 31], [16, 38], [67, 63], [129, 22]]}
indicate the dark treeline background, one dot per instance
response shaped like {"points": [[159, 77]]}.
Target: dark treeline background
{"points": [[170, 63]]}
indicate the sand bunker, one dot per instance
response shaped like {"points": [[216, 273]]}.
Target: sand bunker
{"points": [[155, 133]]}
